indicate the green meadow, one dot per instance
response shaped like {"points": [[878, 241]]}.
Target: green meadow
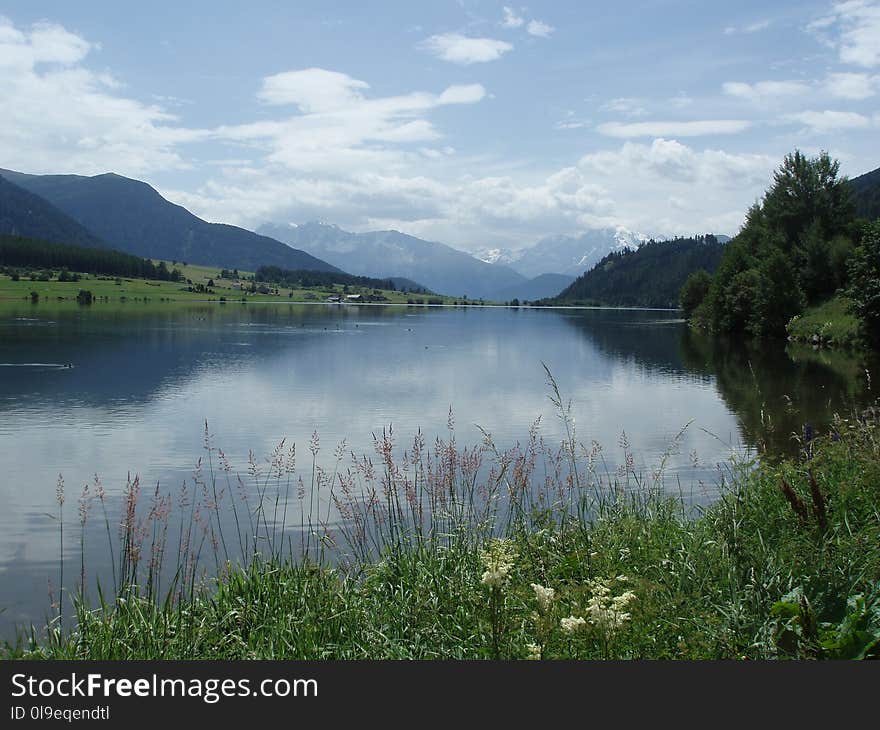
{"points": [[109, 290]]}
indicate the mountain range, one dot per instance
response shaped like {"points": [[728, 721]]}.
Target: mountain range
{"points": [[112, 211], [568, 255], [439, 267], [129, 215]]}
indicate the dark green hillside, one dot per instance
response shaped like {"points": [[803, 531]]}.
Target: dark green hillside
{"points": [[24, 214], [131, 216], [27, 253], [649, 276], [866, 194]]}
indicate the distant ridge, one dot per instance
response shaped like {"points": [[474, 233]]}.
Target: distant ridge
{"points": [[383, 254], [541, 287], [131, 216]]}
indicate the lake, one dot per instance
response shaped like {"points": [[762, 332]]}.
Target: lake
{"points": [[117, 390]]}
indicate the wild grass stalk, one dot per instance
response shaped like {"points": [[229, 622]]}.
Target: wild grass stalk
{"points": [[435, 551]]}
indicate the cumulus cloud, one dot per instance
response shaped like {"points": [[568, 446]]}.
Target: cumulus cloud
{"points": [[465, 50], [853, 28], [697, 128], [540, 29], [59, 115], [635, 174], [646, 187]]}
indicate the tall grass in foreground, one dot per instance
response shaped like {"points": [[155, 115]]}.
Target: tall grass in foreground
{"points": [[474, 552]]}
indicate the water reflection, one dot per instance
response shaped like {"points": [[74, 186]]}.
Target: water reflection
{"points": [[143, 379], [775, 392]]}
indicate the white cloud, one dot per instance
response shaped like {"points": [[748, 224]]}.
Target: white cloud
{"points": [[312, 90], [570, 124], [854, 86], [853, 28], [646, 187], [851, 86], [643, 178], [511, 19], [674, 129], [46, 43], [462, 94], [830, 121], [340, 130], [765, 90], [326, 145], [628, 106], [539, 29], [60, 116], [681, 101], [464, 50], [755, 27]]}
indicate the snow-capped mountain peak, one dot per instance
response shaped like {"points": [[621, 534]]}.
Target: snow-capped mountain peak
{"points": [[562, 254], [496, 255]]}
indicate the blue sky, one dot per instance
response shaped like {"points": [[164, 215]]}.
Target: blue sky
{"points": [[475, 123]]}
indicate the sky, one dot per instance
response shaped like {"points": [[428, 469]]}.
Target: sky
{"points": [[476, 123]]}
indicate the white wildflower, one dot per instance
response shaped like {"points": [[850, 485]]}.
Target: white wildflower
{"points": [[545, 597], [623, 600], [572, 624], [495, 578], [534, 651], [498, 560], [606, 610], [600, 587]]}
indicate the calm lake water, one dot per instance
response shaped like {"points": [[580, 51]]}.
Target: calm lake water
{"points": [[117, 391]]}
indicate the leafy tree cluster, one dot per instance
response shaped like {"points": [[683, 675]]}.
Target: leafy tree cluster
{"points": [[864, 281], [694, 291], [791, 252], [302, 279], [649, 276], [16, 251]]}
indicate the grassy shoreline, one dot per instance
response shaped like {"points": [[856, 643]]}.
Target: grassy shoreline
{"points": [[786, 564], [830, 324]]}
